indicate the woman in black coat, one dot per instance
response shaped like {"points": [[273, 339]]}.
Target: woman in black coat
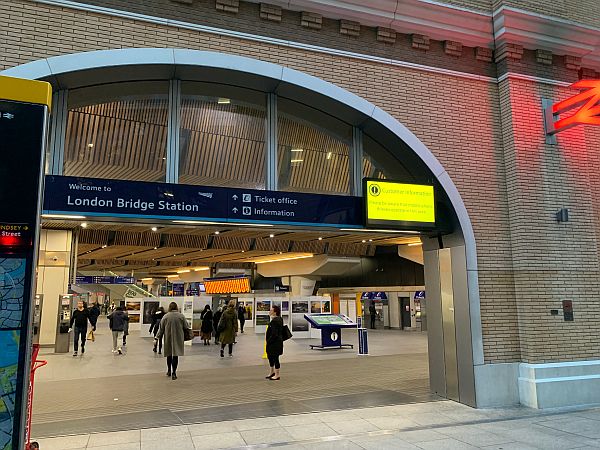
{"points": [[216, 318], [274, 340], [207, 325]]}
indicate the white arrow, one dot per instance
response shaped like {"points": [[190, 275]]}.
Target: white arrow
{"points": [[235, 197], [235, 210]]}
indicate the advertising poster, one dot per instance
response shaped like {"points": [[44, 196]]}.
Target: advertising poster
{"points": [[262, 320], [285, 306], [263, 306], [326, 306], [188, 307], [134, 318], [149, 309], [299, 323], [133, 305], [300, 307], [315, 307]]}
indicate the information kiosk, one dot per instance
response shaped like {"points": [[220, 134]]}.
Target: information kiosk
{"points": [[331, 329]]}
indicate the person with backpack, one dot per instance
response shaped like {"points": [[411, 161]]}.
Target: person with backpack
{"points": [[277, 332], [227, 328], [117, 321]]}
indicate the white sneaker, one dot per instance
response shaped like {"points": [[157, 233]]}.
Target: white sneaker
{"points": [[120, 351], [113, 351]]}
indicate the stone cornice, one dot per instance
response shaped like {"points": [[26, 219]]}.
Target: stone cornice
{"points": [[536, 31]]}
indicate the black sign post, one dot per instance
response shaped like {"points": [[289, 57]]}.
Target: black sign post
{"points": [[24, 107]]}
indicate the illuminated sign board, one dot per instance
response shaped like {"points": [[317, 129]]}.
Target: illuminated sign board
{"points": [[398, 205], [15, 235], [588, 102], [235, 285]]}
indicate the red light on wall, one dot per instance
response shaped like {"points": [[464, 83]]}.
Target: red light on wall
{"points": [[14, 235], [588, 102]]}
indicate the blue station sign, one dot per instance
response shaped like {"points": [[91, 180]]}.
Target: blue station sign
{"points": [[135, 199]]}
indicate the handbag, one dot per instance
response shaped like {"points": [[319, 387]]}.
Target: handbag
{"points": [[222, 326], [90, 336], [286, 334], [188, 334]]}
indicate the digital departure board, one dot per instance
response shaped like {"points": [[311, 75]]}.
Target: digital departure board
{"points": [[234, 285], [398, 205]]}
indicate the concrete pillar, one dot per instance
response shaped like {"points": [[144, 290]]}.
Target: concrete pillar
{"points": [[52, 277]]}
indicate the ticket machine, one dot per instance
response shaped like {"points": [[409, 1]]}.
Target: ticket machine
{"points": [[37, 317], [63, 337]]}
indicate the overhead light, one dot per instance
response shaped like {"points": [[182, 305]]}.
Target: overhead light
{"points": [[414, 244], [378, 231], [320, 238], [243, 251], [168, 194], [91, 145], [184, 271], [200, 269], [164, 159], [61, 216], [297, 150], [284, 259], [363, 241], [154, 229], [271, 235], [203, 222], [296, 160], [147, 279], [370, 240], [249, 224], [224, 101], [217, 232], [172, 276], [84, 225], [328, 155], [104, 246], [155, 248]]}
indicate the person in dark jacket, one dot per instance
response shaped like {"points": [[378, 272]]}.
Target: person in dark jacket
{"points": [[173, 327], [229, 327], [79, 318], [242, 316], [155, 325], [94, 312], [216, 318], [126, 328], [116, 321], [207, 325], [274, 341], [373, 314]]}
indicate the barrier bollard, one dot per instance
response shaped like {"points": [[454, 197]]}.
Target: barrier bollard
{"points": [[363, 344]]}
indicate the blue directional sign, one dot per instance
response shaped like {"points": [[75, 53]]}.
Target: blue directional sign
{"points": [[117, 198]]}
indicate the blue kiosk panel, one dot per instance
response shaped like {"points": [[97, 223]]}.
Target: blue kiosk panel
{"points": [[331, 329]]}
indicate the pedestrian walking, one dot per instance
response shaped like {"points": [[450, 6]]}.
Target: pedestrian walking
{"points": [[126, 328], [242, 316], [274, 342], [173, 328], [78, 324], [373, 314], [228, 327], [206, 328], [216, 319], [154, 326], [116, 322], [94, 313]]}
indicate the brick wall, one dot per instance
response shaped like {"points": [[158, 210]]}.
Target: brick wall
{"points": [[582, 11], [488, 151]]}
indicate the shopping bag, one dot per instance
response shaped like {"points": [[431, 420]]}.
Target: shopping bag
{"points": [[90, 336]]}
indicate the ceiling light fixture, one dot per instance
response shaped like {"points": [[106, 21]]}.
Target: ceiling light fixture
{"points": [[224, 101], [90, 145], [61, 216], [184, 271], [414, 244], [154, 229], [329, 155], [296, 160], [363, 241], [271, 235], [172, 276], [104, 246], [217, 232], [320, 238], [200, 269], [147, 279], [297, 149], [284, 259], [84, 225]]}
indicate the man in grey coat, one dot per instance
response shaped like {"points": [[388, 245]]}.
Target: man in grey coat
{"points": [[117, 321], [172, 329]]}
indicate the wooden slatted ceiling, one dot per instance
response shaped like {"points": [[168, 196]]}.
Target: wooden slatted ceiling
{"points": [[221, 143], [325, 159]]}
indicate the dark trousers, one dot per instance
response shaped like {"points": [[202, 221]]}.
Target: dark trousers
{"points": [[230, 348], [77, 333], [372, 322], [242, 322], [160, 341], [274, 361], [172, 362]]}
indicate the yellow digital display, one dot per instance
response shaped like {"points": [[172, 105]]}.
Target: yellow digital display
{"points": [[227, 286], [390, 203]]}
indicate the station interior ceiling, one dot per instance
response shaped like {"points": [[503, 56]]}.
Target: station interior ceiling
{"points": [[153, 250]]}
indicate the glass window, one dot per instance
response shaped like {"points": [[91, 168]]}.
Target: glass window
{"points": [[223, 136], [378, 162], [313, 153], [118, 131]]}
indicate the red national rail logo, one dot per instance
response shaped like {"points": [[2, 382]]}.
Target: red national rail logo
{"points": [[588, 102]]}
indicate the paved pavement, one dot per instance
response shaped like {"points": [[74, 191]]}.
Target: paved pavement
{"points": [[433, 425]]}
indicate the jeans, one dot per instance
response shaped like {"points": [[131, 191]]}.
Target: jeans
{"points": [[115, 336], [77, 332]]}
